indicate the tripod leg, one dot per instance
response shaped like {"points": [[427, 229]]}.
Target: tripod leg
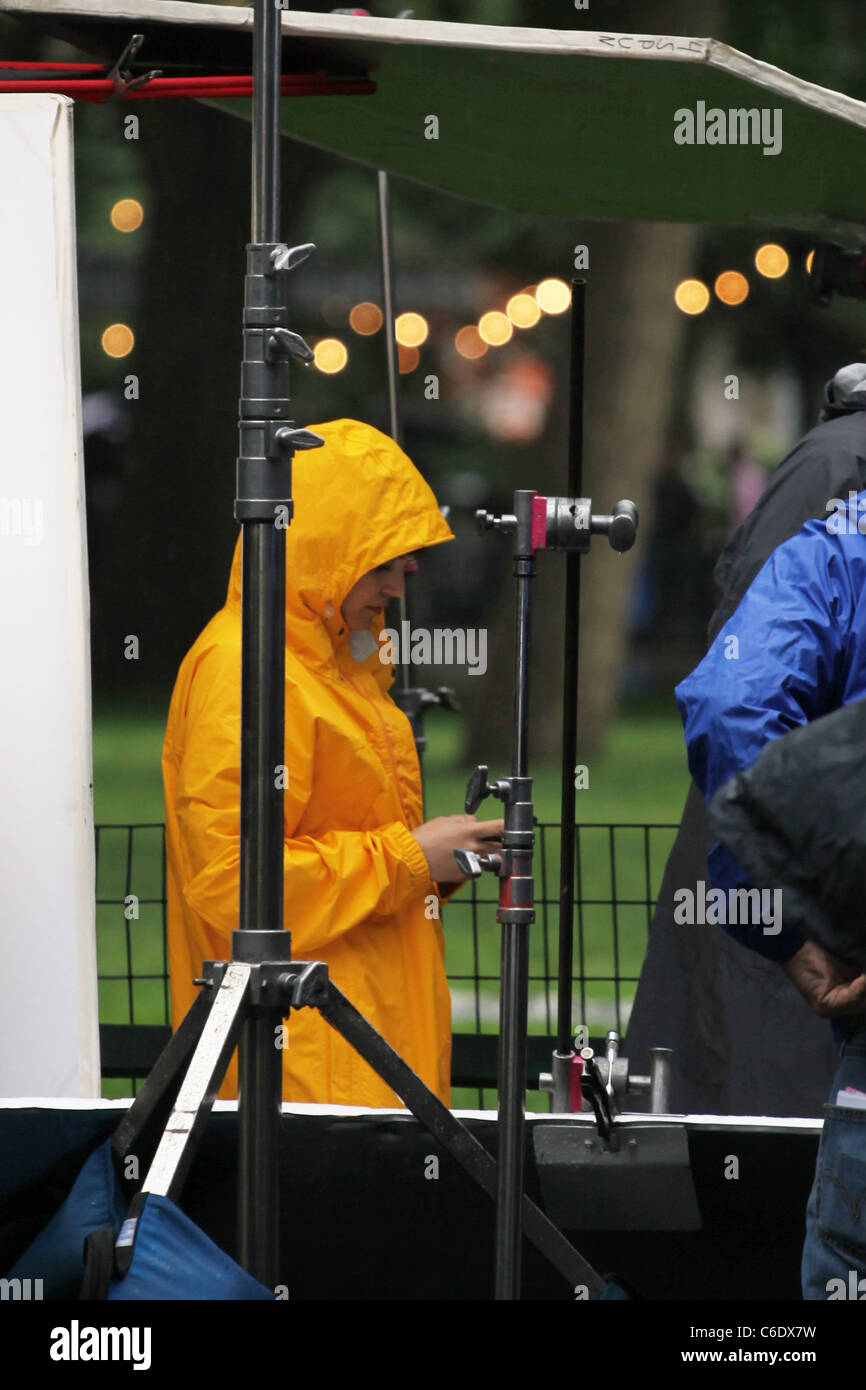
{"points": [[197, 1094], [453, 1136], [152, 1101], [260, 1072]]}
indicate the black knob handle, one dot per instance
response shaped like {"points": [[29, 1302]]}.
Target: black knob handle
{"points": [[477, 788], [622, 531]]}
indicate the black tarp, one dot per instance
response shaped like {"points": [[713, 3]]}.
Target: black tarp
{"points": [[364, 1216], [796, 820]]}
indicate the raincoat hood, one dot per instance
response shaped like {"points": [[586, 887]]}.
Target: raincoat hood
{"points": [[359, 502]]}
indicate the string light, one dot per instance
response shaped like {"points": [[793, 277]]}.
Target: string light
{"points": [[731, 287], [411, 330], [469, 343], [366, 318], [771, 260], [407, 358], [553, 296], [127, 215], [523, 310], [118, 340], [691, 296], [330, 355], [495, 328]]}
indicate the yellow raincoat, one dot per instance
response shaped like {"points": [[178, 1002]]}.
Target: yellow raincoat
{"points": [[358, 893]]}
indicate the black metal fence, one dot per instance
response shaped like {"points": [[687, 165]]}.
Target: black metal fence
{"points": [[618, 872]]}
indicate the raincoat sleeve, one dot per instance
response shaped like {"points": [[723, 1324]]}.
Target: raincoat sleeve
{"points": [[778, 662], [332, 882]]}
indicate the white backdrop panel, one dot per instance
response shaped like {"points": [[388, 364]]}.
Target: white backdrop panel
{"points": [[48, 1005]]}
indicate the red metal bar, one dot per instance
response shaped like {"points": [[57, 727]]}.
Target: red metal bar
{"points": [[101, 89], [52, 67]]}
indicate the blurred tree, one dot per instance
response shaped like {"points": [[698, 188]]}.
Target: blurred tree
{"points": [[632, 350], [166, 570]]}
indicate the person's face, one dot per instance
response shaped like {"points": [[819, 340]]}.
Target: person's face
{"points": [[366, 599]]}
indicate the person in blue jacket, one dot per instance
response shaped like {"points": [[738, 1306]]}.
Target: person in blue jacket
{"points": [[795, 649]]}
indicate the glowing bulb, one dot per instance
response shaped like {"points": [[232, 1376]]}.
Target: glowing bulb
{"points": [[411, 330], [772, 260], [118, 340], [469, 343], [366, 318], [553, 296], [127, 215], [523, 310], [330, 355], [691, 296], [495, 328], [809, 259], [731, 287], [407, 358]]}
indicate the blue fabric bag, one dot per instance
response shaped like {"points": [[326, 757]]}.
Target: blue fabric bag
{"points": [[173, 1259], [74, 1254], [95, 1201]]}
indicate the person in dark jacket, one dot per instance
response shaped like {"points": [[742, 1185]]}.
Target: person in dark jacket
{"points": [[795, 822], [743, 1042], [793, 652]]}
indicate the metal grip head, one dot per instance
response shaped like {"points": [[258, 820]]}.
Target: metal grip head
{"points": [[622, 531], [469, 863]]}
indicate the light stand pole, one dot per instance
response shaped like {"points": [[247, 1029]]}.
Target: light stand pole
{"points": [[263, 506], [537, 523]]}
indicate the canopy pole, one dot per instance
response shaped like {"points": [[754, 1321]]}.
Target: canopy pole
{"points": [[383, 191], [413, 700], [564, 1054]]}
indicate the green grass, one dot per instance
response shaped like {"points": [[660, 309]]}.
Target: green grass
{"points": [[640, 778]]}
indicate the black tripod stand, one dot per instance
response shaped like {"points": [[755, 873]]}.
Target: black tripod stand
{"points": [[243, 1001], [537, 523]]}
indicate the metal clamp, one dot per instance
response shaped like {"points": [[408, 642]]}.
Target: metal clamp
{"points": [[121, 80], [290, 257]]}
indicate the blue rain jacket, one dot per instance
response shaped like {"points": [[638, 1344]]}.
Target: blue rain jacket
{"points": [[793, 650]]}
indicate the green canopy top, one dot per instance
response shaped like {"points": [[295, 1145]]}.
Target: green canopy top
{"points": [[552, 122]]}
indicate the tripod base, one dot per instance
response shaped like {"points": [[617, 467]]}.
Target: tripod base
{"points": [[217, 1017]]}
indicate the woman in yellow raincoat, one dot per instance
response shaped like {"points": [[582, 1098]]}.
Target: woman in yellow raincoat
{"points": [[360, 869]]}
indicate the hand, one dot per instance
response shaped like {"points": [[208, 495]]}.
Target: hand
{"points": [[831, 988], [440, 837]]}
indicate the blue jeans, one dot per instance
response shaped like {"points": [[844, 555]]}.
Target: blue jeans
{"points": [[834, 1254]]}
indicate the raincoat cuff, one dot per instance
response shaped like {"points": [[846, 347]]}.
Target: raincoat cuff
{"points": [[412, 855]]}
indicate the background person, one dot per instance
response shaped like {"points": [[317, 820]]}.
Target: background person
{"points": [[793, 651], [363, 875], [742, 1042]]}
